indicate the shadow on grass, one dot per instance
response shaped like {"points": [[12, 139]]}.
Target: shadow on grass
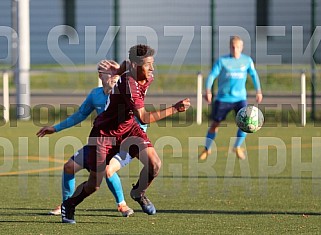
{"points": [[46, 222], [35, 212], [89, 213], [237, 212], [180, 177], [193, 212]]}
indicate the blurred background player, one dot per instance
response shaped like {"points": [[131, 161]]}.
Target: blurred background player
{"points": [[96, 100], [116, 129], [231, 71]]}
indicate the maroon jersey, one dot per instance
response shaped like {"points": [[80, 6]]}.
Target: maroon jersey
{"points": [[126, 96], [113, 127]]}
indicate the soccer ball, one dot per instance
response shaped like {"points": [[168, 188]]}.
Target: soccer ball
{"points": [[249, 119]]}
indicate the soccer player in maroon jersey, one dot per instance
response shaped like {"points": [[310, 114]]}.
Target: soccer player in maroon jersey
{"points": [[116, 131]]}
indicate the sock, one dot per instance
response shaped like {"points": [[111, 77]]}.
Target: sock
{"points": [[209, 140], [240, 137], [68, 185], [115, 186], [76, 200], [146, 177]]}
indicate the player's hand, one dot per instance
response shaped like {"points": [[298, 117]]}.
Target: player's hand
{"points": [[259, 98], [108, 66], [182, 105], [208, 96], [46, 130]]}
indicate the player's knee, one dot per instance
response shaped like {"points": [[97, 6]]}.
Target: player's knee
{"points": [[109, 171], [69, 168], [91, 188], [214, 125]]}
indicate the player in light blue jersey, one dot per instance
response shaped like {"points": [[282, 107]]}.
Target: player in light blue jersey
{"points": [[231, 72], [96, 100]]}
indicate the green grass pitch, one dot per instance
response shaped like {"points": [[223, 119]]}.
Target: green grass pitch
{"points": [[276, 190]]}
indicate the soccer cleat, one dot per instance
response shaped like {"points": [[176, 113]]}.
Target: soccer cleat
{"points": [[204, 154], [67, 214], [146, 205], [239, 152], [56, 211], [125, 210]]}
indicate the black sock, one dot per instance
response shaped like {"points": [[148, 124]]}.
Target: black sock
{"points": [[76, 200]]}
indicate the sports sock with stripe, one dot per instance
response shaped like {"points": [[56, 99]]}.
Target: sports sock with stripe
{"points": [[240, 137], [68, 185], [209, 139], [115, 186]]}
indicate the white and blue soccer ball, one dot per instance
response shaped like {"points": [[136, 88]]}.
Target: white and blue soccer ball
{"points": [[249, 119]]}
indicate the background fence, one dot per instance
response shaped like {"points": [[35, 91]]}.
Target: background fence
{"points": [[55, 88], [68, 37], [180, 30]]}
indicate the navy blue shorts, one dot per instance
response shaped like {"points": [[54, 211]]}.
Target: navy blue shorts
{"points": [[81, 157], [221, 109]]}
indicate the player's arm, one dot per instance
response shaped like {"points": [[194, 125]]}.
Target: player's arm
{"points": [[80, 115], [87, 107], [256, 82], [149, 117], [210, 80]]}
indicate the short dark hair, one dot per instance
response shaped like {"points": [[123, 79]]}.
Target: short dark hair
{"points": [[139, 52]]}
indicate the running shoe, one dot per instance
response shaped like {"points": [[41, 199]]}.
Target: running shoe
{"points": [[204, 154], [56, 211], [125, 210], [146, 205], [239, 152], [67, 214]]}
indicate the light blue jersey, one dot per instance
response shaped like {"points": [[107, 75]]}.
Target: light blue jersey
{"points": [[232, 75], [96, 100]]}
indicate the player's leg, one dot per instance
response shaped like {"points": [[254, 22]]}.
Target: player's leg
{"points": [[210, 136], [240, 135], [83, 191], [114, 183], [152, 164], [237, 149], [98, 150], [219, 112], [71, 167]]}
